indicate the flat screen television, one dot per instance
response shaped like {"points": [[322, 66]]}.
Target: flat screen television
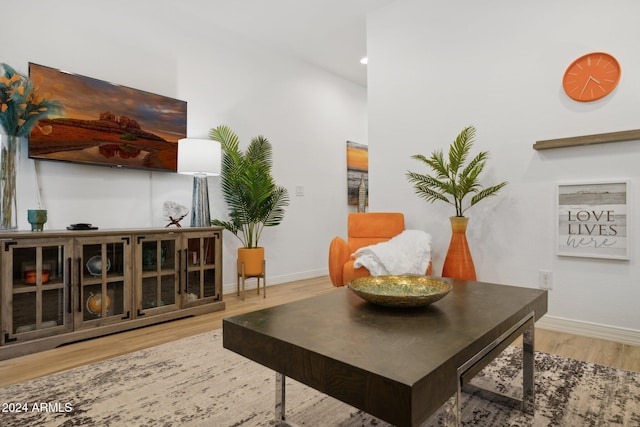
{"points": [[106, 124]]}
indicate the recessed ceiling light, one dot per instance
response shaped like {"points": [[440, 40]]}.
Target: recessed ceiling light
{"points": [[364, 60]]}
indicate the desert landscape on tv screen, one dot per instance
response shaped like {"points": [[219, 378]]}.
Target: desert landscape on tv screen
{"points": [[106, 124]]}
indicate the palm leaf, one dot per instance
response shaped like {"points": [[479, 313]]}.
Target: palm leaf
{"points": [[279, 199], [487, 192], [437, 163], [226, 137], [460, 148], [259, 151], [427, 181], [479, 159]]}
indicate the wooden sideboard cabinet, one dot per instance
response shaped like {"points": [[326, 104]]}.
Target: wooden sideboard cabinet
{"points": [[63, 286]]}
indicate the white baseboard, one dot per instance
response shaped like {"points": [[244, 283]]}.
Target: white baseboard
{"points": [[231, 288], [592, 330]]}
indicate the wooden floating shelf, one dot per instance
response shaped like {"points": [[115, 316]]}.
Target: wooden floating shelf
{"points": [[625, 135]]}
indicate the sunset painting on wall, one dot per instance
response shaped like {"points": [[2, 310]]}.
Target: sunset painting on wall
{"points": [[357, 170], [106, 124]]}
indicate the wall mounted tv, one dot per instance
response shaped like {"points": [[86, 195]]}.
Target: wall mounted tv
{"points": [[107, 124]]}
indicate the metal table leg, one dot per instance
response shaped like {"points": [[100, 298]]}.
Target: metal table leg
{"points": [[528, 371], [280, 397], [469, 369]]}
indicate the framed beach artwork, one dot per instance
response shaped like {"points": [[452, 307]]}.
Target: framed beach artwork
{"points": [[357, 171], [593, 220]]}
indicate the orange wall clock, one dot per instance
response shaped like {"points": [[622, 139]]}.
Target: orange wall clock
{"points": [[592, 76]]}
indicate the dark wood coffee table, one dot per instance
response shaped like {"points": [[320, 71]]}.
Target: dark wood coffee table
{"points": [[399, 365]]}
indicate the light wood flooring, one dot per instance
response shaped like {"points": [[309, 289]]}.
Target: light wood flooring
{"points": [[23, 368]]}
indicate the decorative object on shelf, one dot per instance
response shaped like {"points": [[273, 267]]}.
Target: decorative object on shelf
{"points": [[357, 171], [249, 189], [452, 181], [174, 213], [37, 218], [154, 304], [400, 291], [32, 327], [362, 194], [94, 265], [30, 277], [200, 158], [593, 220], [21, 106], [81, 226], [591, 77], [149, 257], [95, 301]]}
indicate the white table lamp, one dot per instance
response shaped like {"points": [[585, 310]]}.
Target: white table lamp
{"points": [[200, 158]]}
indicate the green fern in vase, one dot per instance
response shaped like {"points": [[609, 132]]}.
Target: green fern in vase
{"points": [[453, 180]]}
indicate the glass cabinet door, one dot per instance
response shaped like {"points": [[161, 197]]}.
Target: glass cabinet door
{"points": [[36, 303], [203, 282], [157, 273], [103, 294]]}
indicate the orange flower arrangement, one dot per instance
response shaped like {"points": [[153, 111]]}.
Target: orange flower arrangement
{"points": [[22, 105]]}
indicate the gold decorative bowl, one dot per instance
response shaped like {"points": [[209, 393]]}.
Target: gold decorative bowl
{"points": [[400, 291]]}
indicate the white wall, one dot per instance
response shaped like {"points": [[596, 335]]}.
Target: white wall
{"points": [[438, 66], [307, 114]]}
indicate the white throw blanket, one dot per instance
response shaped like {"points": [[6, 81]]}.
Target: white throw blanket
{"points": [[407, 253]]}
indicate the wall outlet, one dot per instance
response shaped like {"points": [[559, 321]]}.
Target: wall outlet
{"points": [[545, 279], [299, 191]]}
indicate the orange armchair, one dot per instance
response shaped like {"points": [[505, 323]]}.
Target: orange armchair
{"points": [[363, 229]]}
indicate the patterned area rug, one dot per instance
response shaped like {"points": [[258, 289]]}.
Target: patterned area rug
{"points": [[195, 382]]}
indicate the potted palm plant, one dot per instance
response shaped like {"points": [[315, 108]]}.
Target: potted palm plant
{"points": [[457, 183], [252, 196]]}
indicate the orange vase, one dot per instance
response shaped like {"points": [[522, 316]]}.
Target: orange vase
{"points": [[458, 264]]}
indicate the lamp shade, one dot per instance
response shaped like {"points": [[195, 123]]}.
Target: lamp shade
{"points": [[200, 157]]}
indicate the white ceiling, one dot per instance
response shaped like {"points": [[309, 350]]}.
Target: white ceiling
{"points": [[330, 34]]}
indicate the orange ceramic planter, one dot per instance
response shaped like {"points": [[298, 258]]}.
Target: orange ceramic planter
{"points": [[253, 259], [458, 263]]}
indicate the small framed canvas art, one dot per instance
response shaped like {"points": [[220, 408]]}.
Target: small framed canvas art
{"points": [[357, 171]]}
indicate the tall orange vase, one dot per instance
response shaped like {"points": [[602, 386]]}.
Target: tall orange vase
{"points": [[459, 264]]}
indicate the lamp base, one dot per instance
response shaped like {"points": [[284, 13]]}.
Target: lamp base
{"points": [[200, 216]]}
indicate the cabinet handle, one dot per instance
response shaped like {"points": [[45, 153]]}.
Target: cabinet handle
{"points": [[70, 300], [141, 238], [186, 270], [179, 271], [127, 316], [79, 261], [140, 313], [9, 243], [7, 339]]}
